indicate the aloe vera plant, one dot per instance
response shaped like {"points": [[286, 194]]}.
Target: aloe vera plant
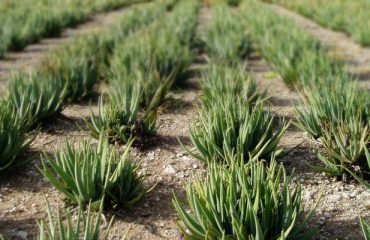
{"points": [[36, 96], [137, 17], [346, 150], [226, 38], [120, 116], [223, 81], [365, 227], [13, 139], [303, 60], [228, 126], [84, 62], [88, 174], [243, 201], [184, 20], [79, 64], [329, 104], [22, 25], [337, 114], [337, 15], [86, 227], [146, 52]]}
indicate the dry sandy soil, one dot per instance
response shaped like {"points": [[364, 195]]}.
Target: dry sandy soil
{"points": [[22, 190]]}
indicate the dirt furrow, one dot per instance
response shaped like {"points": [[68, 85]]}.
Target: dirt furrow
{"points": [[33, 53], [340, 204], [341, 47], [166, 161]]}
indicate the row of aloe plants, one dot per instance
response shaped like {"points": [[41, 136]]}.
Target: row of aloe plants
{"points": [[66, 75], [333, 109], [97, 176], [340, 15], [33, 19], [246, 194], [143, 68], [84, 174]]}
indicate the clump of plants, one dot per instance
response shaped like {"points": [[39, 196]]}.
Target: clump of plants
{"points": [[329, 104], [146, 52], [66, 227], [36, 96], [346, 150], [229, 126], [304, 60], [121, 115], [338, 15], [243, 201], [85, 173], [226, 38], [22, 25], [365, 228], [223, 81], [80, 64], [13, 139], [183, 21], [337, 114], [137, 17]]}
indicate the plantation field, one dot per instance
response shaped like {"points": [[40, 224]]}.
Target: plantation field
{"points": [[184, 119]]}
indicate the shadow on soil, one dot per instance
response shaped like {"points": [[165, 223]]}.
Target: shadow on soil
{"points": [[27, 225], [156, 206]]}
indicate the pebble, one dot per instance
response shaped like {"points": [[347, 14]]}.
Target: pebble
{"points": [[186, 159], [335, 198], [353, 195], [170, 170], [31, 173], [327, 215], [195, 166], [310, 194], [13, 209], [149, 228], [22, 234], [151, 155], [321, 221]]}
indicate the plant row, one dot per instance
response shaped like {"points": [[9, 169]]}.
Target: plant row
{"points": [[86, 174], [99, 176], [66, 75], [226, 39], [34, 19], [143, 68], [245, 194], [340, 15], [333, 109]]}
